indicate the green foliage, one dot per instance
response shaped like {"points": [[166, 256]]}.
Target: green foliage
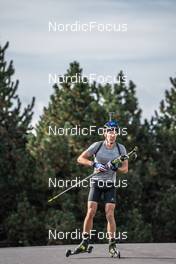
{"points": [[16, 164], [164, 133], [24, 226], [138, 229], [164, 216]]}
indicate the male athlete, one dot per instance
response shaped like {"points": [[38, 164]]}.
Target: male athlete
{"points": [[103, 182]]}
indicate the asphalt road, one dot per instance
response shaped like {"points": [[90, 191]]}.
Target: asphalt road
{"points": [[130, 254]]}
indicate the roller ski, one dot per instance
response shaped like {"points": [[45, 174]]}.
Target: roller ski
{"points": [[113, 251], [84, 247]]}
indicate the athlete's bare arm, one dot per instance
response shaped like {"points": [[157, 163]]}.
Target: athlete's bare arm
{"points": [[124, 168], [84, 159]]}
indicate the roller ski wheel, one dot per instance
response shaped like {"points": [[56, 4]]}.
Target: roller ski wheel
{"points": [[68, 253], [115, 254], [113, 251], [89, 250], [81, 249]]}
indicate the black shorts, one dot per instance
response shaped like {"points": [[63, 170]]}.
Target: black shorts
{"points": [[99, 193]]}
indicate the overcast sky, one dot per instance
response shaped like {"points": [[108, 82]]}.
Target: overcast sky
{"points": [[146, 52]]}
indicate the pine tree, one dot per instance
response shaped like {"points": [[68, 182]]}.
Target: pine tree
{"points": [[16, 164], [69, 106], [164, 156]]}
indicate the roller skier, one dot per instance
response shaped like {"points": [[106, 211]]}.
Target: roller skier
{"points": [[103, 152]]}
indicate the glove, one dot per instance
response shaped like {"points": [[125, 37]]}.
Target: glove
{"points": [[99, 166], [111, 166]]}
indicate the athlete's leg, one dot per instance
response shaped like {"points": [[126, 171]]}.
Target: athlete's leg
{"points": [[88, 224], [94, 194], [91, 211], [111, 229], [111, 224]]}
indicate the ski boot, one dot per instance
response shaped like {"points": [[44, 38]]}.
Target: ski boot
{"points": [[113, 251], [83, 247]]}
